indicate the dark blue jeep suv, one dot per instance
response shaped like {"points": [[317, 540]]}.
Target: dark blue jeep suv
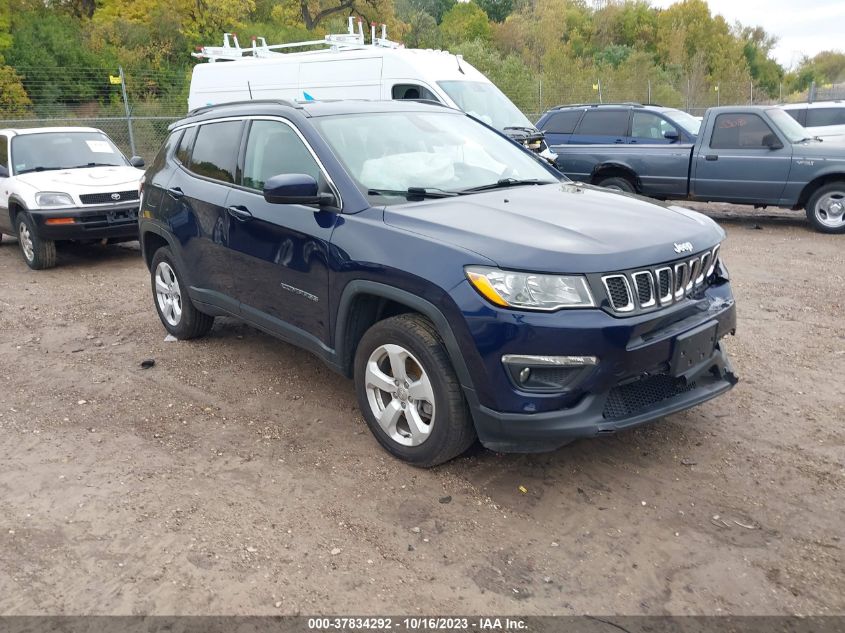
{"points": [[469, 289]]}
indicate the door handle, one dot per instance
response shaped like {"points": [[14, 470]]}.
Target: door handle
{"points": [[711, 157], [241, 214], [176, 193], [619, 140]]}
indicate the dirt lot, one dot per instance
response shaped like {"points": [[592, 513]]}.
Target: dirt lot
{"points": [[236, 476]]}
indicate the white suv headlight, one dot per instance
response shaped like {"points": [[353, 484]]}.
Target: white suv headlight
{"points": [[53, 199], [530, 291]]}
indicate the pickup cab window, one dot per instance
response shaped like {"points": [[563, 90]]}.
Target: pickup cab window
{"points": [[740, 131]]}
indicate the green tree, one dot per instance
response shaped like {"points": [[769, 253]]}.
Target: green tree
{"points": [[496, 10], [13, 98], [464, 22]]}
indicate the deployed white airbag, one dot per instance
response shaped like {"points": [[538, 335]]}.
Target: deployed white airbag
{"points": [[411, 169]]}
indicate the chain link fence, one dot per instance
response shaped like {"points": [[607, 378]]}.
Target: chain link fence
{"points": [[135, 107]]}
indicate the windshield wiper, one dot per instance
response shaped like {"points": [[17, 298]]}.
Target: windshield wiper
{"points": [[39, 168], [414, 192], [509, 182], [93, 165]]}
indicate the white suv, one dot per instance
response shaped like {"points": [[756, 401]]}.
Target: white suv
{"points": [[825, 119], [68, 183]]}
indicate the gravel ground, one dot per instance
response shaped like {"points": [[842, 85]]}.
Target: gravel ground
{"points": [[236, 476]]}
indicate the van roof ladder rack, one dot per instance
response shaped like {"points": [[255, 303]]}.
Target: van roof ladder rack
{"points": [[259, 49]]}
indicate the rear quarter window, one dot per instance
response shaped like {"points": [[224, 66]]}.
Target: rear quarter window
{"points": [[562, 122], [4, 152], [604, 123]]}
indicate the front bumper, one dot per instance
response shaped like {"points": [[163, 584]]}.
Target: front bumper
{"points": [[118, 221], [624, 406], [638, 376]]}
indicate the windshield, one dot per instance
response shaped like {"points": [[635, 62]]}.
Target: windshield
{"points": [[485, 102], [791, 128], [63, 150], [690, 123], [441, 152]]}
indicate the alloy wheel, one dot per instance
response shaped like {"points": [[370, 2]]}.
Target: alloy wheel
{"points": [[400, 395], [168, 294]]}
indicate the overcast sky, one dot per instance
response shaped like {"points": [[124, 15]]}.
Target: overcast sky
{"points": [[803, 27]]}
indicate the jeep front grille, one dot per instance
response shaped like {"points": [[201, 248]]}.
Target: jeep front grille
{"points": [[661, 285]]}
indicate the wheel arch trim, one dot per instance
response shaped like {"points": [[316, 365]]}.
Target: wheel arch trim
{"points": [[359, 287]]}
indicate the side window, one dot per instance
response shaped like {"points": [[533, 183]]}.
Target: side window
{"points": [[604, 123], [740, 131], [413, 91], [650, 126], [215, 152], [796, 114], [164, 152], [820, 117], [183, 154], [4, 153], [273, 148], [562, 122]]}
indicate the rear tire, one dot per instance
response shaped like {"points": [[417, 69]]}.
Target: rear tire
{"points": [[826, 208], [409, 394], [170, 295], [617, 183], [38, 253]]}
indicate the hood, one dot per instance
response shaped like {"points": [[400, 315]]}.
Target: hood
{"points": [[829, 149], [84, 180], [565, 228]]}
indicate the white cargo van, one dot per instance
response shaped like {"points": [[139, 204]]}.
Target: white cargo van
{"points": [[348, 68]]}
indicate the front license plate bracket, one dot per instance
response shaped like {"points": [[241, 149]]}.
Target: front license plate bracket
{"points": [[693, 349]]}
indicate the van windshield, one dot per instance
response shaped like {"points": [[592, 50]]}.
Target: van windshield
{"points": [[63, 150], [434, 154], [687, 121], [794, 131], [485, 102]]}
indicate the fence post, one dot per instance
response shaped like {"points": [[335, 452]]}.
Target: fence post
{"points": [[752, 93], [649, 90], [128, 114], [811, 94], [540, 96]]}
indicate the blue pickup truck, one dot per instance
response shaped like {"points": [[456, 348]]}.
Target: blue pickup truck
{"points": [[755, 155]]}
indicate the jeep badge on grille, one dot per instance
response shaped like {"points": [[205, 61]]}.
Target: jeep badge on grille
{"points": [[683, 247]]}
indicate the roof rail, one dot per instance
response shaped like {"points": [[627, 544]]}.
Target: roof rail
{"points": [[606, 103], [282, 102], [351, 40]]}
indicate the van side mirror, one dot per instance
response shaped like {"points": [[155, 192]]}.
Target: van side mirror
{"points": [[671, 135], [772, 142], [295, 189], [136, 161]]}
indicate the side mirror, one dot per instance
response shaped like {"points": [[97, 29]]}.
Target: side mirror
{"points": [[136, 161], [4, 172], [671, 135], [772, 142], [295, 189]]}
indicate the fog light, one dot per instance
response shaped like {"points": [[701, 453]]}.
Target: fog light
{"points": [[548, 373]]}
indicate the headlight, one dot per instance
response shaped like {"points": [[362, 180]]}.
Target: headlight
{"points": [[530, 291], [53, 199]]}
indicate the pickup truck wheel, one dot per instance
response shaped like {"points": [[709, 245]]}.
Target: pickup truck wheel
{"points": [[38, 253], [170, 294], [826, 208], [617, 183], [409, 394]]}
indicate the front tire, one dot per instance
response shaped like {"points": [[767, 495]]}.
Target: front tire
{"points": [[826, 208], [38, 253], [170, 295], [409, 394]]}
